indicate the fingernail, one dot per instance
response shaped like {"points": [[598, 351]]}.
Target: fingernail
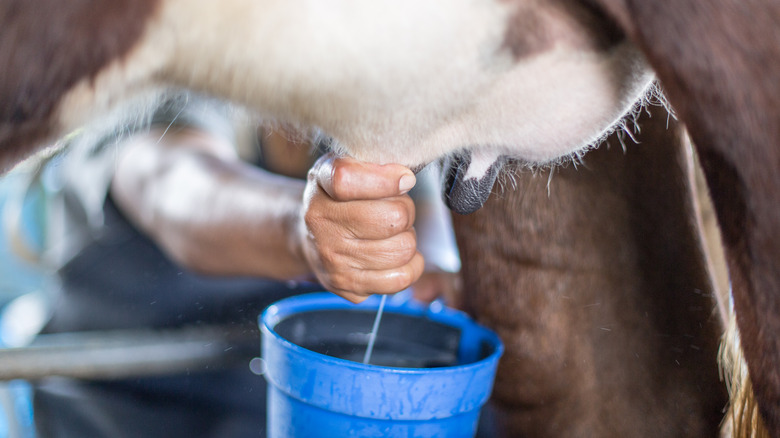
{"points": [[406, 183]]}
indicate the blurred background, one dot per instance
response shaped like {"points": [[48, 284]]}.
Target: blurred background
{"points": [[23, 277]]}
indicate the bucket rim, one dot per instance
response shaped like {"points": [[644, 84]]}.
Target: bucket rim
{"points": [[398, 304]]}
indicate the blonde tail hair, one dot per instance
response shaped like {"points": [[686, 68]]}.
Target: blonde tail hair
{"points": [[743, 419]]}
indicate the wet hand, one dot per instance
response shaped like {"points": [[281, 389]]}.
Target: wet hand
{"points": [[357, 230]]}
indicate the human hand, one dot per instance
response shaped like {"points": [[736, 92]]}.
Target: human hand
{"points": [[357, 228]]}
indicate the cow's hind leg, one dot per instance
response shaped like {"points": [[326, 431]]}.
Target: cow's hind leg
{"points": [[601, 294]]}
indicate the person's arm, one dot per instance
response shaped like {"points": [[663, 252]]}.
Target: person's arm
{"points": [[214, 214], [208, 210]]}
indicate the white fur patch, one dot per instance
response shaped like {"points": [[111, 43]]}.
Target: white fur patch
{"points": [[403, 81], [481, 160]]}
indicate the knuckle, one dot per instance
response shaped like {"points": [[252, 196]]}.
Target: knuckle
{"points": [[411, 212], [331, 261], [311, 218], [398, 251], [322, 167], [407, 244], [313, 172], [357, 299], [353, 297], [335, 282], [340, 178], [315, 218], [397, 216], [403, 279], [345, 282], [354, 251]]}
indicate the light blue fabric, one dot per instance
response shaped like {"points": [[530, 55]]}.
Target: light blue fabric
{"points": [[21, 216]]}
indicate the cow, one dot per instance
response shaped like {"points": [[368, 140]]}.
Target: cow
{"points": [[411, 81], [599, 283]]}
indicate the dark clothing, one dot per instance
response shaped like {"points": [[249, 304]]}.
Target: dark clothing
{"points": [[119, 279], [124, 281]]}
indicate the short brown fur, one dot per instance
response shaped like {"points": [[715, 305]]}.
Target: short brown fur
{"points": [[46, 47], [601, 293], [719, 62]]}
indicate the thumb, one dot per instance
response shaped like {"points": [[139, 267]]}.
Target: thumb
{"points": [[347, 179]]}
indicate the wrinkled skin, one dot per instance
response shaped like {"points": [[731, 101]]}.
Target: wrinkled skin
{"points": [[359, 228]]}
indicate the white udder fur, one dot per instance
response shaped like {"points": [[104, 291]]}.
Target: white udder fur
{"points": [[404, 81]]}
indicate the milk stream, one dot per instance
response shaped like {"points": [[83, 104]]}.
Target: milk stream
{"points": [[372, 336]]}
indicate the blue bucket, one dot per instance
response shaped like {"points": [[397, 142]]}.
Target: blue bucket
{"points": [[431, 372]]}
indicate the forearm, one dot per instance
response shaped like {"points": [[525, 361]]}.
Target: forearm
{"points": [[208, 210]]}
